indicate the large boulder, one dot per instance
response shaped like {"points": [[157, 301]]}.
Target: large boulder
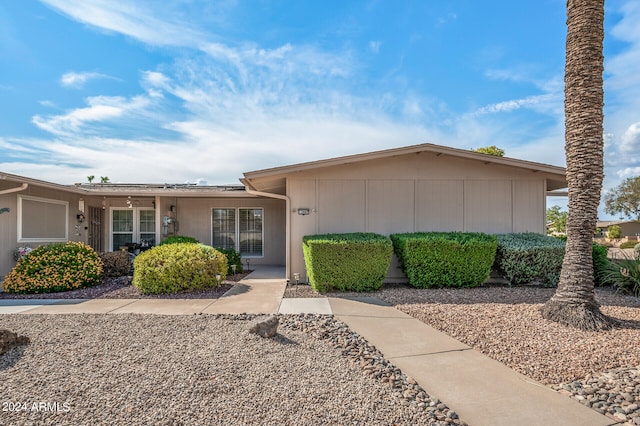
{"points": [[9, 339], [265, 327]]}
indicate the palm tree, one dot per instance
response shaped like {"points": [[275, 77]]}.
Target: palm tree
{"points": [[574, 301]]}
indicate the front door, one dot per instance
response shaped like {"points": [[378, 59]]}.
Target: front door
{"points": [[96, 217]]}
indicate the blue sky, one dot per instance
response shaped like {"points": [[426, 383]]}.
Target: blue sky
{"points": [[202, 90]]}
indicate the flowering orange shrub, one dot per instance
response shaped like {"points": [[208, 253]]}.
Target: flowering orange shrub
{"points": [[55, 267]]}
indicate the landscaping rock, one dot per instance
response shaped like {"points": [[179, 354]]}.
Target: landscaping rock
{"points": [[9, 339], [265, 327]]}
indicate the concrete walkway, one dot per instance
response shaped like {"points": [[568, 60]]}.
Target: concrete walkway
{"points": [[258, 293], [482, 391]]}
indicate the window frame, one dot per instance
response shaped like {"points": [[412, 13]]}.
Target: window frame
{"points": [[135, 232], [237, 241], [20, 213]]}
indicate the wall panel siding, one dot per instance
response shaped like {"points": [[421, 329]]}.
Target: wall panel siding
{"points": [[488, 206], [528, 206], [440, 205], [303, 195], [390, 206], [341, 206]]}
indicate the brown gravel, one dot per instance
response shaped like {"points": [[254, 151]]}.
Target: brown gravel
{"points": [[505, 324], [121, 288]]}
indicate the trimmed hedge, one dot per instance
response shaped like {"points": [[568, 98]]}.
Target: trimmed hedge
{"points": [[527, 257], [171, 268], [445, 259], [347, 262], [55, 267]]}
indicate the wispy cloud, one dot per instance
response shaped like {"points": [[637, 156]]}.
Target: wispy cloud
{"points": [[77, 80], [547, 101], [137, 20], [100, 109], [374, 46]]}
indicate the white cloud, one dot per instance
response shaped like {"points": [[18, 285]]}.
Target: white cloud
{"points": [[622, 99], [628, 172], [101, 109], [630, 141], [77, 80], [374, 46], [139, 20], [545, 102]]}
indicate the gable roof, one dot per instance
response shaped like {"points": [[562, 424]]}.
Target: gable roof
{"points": [[273, 179]]}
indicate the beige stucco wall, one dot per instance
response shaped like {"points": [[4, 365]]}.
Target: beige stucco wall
{"points": [[9, 221], [194, 219], [192, 214], [416, 192]]}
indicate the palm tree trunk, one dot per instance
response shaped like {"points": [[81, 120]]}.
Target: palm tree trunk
{"points": [[574, 302]]}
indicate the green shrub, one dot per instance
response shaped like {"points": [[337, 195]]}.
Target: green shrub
{"points": [[614, 231], [636, 249], [625, 275], [527, 257], [178, 239], [233, 258], [600, 264], [171, 268], [628, 244], [347, 262], [445, 259], [115, 264], [55, 267]]}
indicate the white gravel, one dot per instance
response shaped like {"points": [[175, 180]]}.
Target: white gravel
{"points": [[202, 370]]}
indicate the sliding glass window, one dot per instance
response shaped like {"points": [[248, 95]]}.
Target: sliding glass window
{"points": [[240, 229]]}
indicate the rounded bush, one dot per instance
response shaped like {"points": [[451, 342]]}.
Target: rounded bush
{"points": [[171, 268], [177, 239], [55, 267], [614, 232]]}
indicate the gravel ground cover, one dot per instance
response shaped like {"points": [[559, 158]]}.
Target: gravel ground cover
{"points": [[121, 288], [203, 370], [600, 370]]}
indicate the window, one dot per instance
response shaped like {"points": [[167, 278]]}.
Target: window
{"points": [[240, 229], [224, 228], [41, 219], [132, 226]]}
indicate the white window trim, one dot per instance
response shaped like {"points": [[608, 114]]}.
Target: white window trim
{"points": [[42, 200], [237, 210], [136, 224]]}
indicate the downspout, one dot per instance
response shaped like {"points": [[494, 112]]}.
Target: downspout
{"points": [[251, 190], [17, 189]]}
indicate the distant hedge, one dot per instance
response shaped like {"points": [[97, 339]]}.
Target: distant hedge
{"points": [[527, 257], [445, 259], [347, 262]]}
